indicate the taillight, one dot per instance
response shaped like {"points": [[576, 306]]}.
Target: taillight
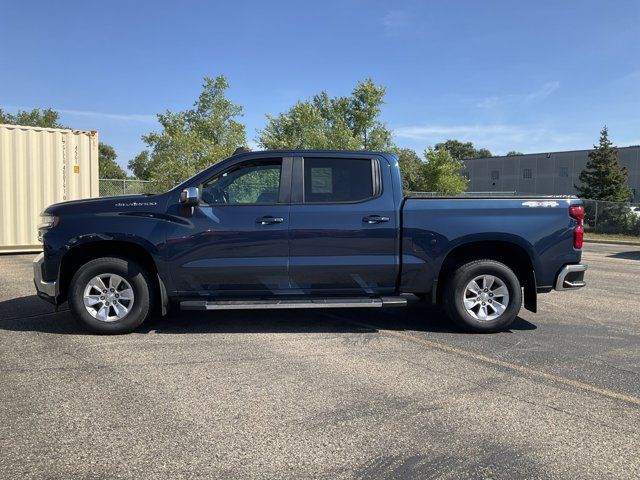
{"points": [[577, 212]]}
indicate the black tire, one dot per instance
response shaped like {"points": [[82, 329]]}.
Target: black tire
{"points": [[454, 294], [134, 274]]}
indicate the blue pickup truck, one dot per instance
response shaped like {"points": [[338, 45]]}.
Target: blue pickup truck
{"points": [[305, 229]]}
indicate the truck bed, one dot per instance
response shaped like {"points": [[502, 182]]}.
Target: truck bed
{"points": [[539, 225]]}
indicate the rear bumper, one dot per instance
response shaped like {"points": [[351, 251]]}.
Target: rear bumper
{"points": [[571, 277], [46, 290]]}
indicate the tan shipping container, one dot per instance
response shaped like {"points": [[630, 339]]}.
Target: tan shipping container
{"points": [[38, 167]]}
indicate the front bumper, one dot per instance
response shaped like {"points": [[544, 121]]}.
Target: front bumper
{"points": [[571, 277], [46, 290]]}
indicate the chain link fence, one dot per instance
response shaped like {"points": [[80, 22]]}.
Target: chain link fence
{"points": [[127, 186], [612, 217]]}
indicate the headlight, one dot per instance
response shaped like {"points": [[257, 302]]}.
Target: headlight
{"points": [[48, 221]]}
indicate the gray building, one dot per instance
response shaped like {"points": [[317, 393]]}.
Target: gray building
{"points": [[542, 173]]}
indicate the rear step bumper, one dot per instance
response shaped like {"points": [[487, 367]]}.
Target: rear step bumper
{"points": [[571, 277], [294, 303]]}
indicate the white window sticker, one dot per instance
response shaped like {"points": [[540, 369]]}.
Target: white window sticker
{"points": [[321, 180]]}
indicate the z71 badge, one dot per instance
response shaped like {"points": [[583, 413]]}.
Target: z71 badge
{"points": [[549, 203]]}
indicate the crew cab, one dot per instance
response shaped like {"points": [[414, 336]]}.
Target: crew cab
{"points": [[306, 229]]}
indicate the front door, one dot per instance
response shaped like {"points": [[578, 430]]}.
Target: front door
{"points": [[236, 241], [343, 227]]}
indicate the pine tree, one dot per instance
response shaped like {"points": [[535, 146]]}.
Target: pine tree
{"points": [[604, 178]]}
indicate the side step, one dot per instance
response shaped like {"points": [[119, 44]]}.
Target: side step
{"points": [[293, 303]]}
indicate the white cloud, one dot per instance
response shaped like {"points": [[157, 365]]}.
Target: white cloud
{"points": [[627, 82], [396, 21], [426, 132], [123, 117], [628, 142], [632, 76], [519, 98], [497, 137]]}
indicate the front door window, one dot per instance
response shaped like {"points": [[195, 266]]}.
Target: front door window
{"points": [[253, 184]]}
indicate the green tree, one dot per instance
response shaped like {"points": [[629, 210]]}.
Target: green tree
{"points": [[302, 127], [513, 153], [107, 166], [412, 169], [47, 118], [323, 122], [603, 177], [365, 106], [462, 151], [442, 172], [140, 165], [194, 139]]}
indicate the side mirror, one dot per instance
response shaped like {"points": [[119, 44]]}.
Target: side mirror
{"points": [[190, 197]]}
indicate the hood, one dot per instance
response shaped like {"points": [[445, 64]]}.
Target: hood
{"points": [[120, 203]]}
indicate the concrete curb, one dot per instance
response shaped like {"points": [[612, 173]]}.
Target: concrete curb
{"points": [[613, 242]]}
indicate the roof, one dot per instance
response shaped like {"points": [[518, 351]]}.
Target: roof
{"points": [[545, 153], [313, 152], [48, 129]]}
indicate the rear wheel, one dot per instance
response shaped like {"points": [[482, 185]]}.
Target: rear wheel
{"points": [[483, 296], [110, 295]]}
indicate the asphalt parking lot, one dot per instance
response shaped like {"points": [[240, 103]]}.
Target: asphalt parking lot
{"points": [[335, 394]]}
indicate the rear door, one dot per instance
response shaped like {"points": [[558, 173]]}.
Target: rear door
{"points": [[343, 226]]}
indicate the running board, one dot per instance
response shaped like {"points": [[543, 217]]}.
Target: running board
{"points": [[292, 303]]}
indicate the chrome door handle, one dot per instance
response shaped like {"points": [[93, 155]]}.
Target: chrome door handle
{"points": [[269, 220], [375, 219]]}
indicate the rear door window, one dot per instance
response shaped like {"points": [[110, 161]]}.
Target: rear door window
{"points": [[336, 180]]}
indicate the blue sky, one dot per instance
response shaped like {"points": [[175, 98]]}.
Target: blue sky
{"points": [[530, 76]]}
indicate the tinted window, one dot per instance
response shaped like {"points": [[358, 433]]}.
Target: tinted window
{"points": [[258, 182], [337, 180]]}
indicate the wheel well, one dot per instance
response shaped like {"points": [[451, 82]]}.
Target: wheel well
{"points": [[78, 256], [513, 256]]}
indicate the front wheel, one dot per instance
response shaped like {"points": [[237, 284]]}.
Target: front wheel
{"points": [[110, 295], [483, 296]]}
